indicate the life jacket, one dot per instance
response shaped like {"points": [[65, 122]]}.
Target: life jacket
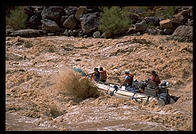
{"points": [[103, 75], [96, 76], [129, 79]]}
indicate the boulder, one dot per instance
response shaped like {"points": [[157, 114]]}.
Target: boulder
{"points": [[89, 22], [27, 33], [140, 27], [70, 10], [178, 18], [80, 11], [183, 33], [184, 13], [154, 20], [152, 31], [166, 24], [168, 31], [34, 21], [70, 22], [29, 11], [134, 18], [50, 26], [53, 13], [131, 30], [96, 34], [9, 31]]}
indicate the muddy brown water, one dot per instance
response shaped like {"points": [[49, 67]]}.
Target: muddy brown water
{"points": [[41, 96]]}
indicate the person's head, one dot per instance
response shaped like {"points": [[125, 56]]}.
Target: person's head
{"points": [[96, 69], [101, 68], [127, 71], [153, 73]]}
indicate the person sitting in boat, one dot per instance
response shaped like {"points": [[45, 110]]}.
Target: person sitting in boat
{"points": [[95, 75], [103, 74], [155, 78], [128, 79]]}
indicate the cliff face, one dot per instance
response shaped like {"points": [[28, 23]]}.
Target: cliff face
{"points": [[32, 65]]}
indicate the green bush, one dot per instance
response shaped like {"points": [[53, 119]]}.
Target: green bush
{"points": [[17, 18], [114, 21], [166, 13]]}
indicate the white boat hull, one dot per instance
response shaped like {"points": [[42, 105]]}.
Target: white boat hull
{"points": [[121, 92]]}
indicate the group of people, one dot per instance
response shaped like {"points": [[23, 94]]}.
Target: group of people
{"points": [[99, 75], [128, 79]]}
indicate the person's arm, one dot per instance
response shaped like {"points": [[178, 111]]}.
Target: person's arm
{"points": [[91, 75]]}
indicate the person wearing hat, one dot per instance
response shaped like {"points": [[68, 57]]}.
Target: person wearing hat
{"points": [[155, 78], [128, 79]]}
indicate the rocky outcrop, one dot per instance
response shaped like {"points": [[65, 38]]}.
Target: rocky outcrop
{"points": [[80, 11], [83, 21], [89, 22], [70, 22], [50, 25], [140, 27], [53, 13], [183, 33], [153, 19], [166, 24]]}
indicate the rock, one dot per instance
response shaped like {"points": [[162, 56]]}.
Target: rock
{"points": [[70, 33], [89, 22], [168, 31], [53, 13], [96, 34], [34, 21], [131, 30], [183, 33], [51, 34], [29, 11], [103, 35], [70, 22], [166, 24], [70, 10], [134, 18], [80, 34], [91, 9], [27, 33], [152, 31], [190, 22], [154, 20], [49, 25], [62, 20], [9, 31], [80, 11], [178, 18], [66, 32], [184, 13], [140, 27]]}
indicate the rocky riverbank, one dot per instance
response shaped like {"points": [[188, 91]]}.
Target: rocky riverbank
{"points": [[83, 21]]}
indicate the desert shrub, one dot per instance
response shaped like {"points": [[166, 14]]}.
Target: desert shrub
{"points": [[17, 18], [114, 20]]}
